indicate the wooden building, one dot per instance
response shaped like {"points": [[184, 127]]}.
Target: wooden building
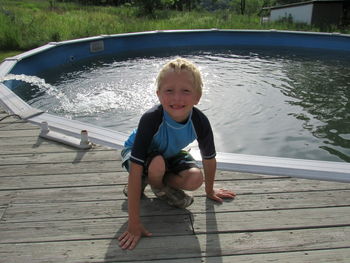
{"points": [[316, 12]]}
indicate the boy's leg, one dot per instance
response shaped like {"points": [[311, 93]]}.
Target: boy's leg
{"points": [[168, 177], [185, 174], [156, 171], [190, 179], [125, 153]]}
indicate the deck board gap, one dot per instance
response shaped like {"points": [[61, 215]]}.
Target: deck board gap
{"points": [[60, 162], [266, 230], [69, 150], [296, 191], [60, 187]]}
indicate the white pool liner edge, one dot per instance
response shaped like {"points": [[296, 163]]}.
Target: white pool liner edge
{"points": [[299, 168]]}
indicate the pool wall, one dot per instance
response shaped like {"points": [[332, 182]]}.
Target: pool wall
{"points": [[55, 54], [59, 53]]}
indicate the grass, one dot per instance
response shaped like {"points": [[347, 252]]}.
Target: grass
{"points": [[6, 54], [28, 24]]}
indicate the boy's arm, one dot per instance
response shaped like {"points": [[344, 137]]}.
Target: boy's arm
{"points": [[132, 235], [209, 166]]}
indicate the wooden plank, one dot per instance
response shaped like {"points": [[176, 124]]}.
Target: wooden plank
{"points": [[90, 229], [37, 169], [112, 192], [28, 141], [6, 198], [15, 124], [189, 246], [18, 182], [93, 193], [61, 168], [307, 256], [9, 118], [271, 220], [250, 185], [273, 201], [23, 146], [66, 157], [30, 132], [278, 241], [61, 180], [118, 207], [84, 210], [2, 211], [279, 185]]}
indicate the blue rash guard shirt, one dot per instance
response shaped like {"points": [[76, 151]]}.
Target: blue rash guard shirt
{"points": [[157, 131]]}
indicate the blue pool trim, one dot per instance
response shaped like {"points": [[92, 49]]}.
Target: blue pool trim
{"points": [[57, 53]]}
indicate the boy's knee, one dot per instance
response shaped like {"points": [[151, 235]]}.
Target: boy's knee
{"points": [[156, 169], [157, 165], [195, 180]]}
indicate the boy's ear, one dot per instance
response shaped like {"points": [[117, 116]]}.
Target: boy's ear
{"points": [[198, 97]]}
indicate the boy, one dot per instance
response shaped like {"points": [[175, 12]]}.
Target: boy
{"points": [[154, 151]]}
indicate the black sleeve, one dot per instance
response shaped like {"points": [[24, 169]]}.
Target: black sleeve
{"points": [[205, 135], [148, 126]]}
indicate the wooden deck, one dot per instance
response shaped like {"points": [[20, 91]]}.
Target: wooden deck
{"points": [[59, 204]]}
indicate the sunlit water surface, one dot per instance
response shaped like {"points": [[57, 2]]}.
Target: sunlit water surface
{"points": [[287, 103]]}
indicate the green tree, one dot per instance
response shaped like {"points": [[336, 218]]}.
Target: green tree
{"points": [[242, 6]]}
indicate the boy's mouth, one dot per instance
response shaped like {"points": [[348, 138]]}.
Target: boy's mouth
{"points": [[177, 107]]}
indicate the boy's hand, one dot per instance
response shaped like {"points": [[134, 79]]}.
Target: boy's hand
{"points": [[130, 238], [218, 194]]}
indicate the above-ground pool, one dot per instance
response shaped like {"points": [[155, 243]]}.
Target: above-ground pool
{"points": [[286, 103], [266, 93]]}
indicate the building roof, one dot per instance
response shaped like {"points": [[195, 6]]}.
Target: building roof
{"points": [[304, 3]]}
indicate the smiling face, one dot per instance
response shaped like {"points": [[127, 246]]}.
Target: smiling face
{"points": [[177, 94]]}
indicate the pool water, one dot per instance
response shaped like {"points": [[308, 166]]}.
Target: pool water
{"points": [[286, 103]]}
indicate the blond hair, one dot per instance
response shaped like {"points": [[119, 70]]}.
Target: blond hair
{"points": [[178, 65]]}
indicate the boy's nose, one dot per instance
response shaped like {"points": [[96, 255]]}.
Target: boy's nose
{"points": [[177, 96]]}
